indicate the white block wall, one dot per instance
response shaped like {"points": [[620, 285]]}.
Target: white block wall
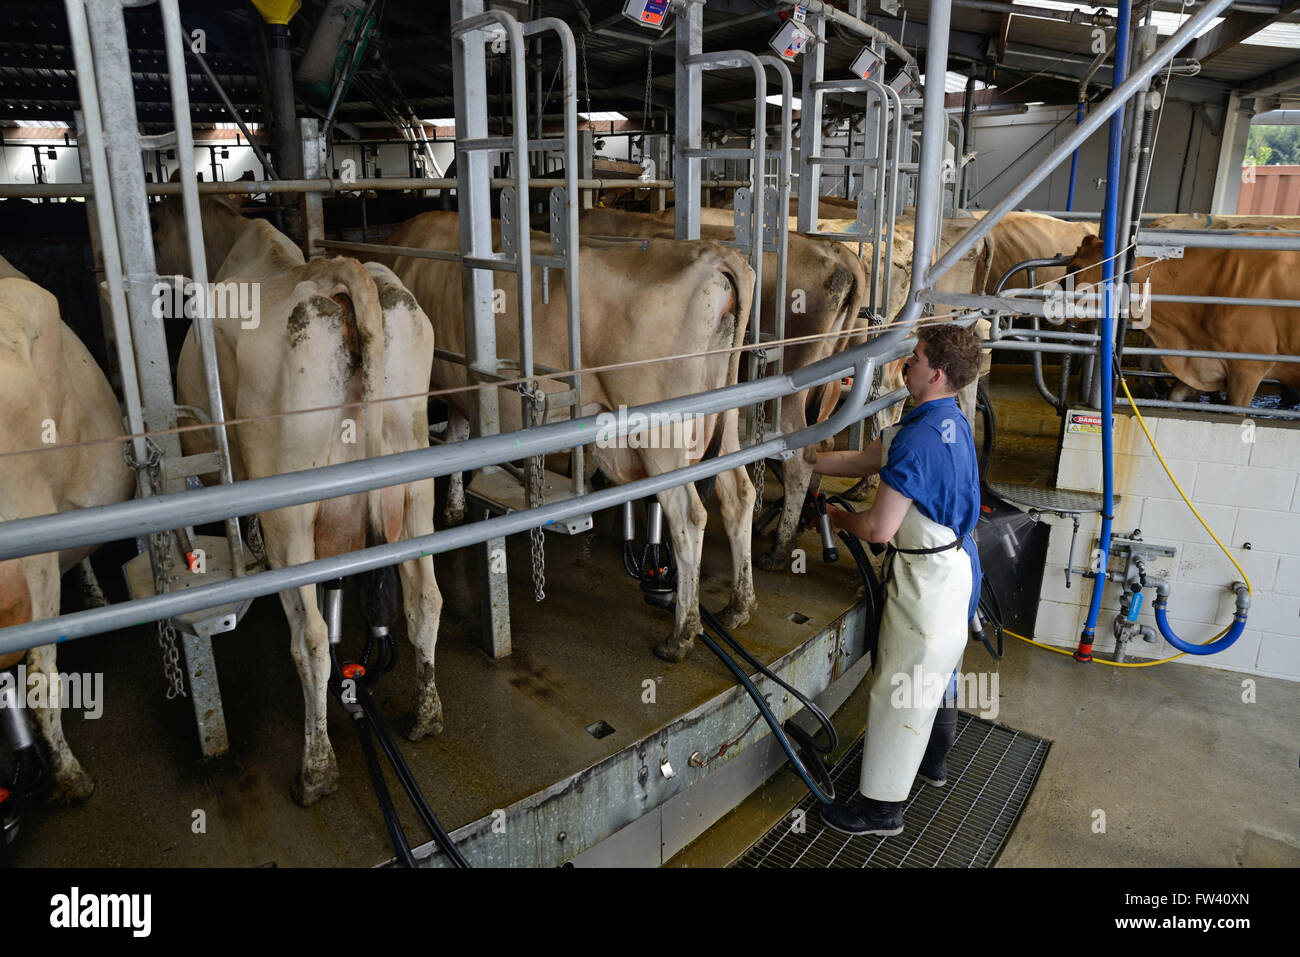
{"points": [[1243, 480]]}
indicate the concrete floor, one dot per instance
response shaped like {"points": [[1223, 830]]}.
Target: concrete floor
{"points": [[1185, 772]]}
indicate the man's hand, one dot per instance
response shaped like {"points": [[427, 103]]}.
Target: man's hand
{"points": [[878, 523]]}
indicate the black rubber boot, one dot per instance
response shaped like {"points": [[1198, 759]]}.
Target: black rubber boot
{"points": [[864, 815], [934, 769]]}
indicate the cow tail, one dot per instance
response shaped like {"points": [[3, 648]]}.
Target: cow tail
{"points": [[822, 401], [379, 590], [370, 341], [741, 276]]}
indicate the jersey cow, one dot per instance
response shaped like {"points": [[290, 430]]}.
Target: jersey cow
{"points": [[648, 300], [1250, 273], [825, 288], [327, 332], [51, 390], [1019, 236]]}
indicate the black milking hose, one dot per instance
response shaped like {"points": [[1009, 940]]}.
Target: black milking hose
{"points": [[409, 784], [394, 826], [766, 712]]}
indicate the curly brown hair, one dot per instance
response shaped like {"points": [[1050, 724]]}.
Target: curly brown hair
{"points": [[954, 351]]}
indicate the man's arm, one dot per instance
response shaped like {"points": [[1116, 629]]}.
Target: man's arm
{"points": [[866, 462], [878, 523]]}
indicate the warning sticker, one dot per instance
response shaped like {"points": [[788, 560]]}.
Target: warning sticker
{"points": [[1088, 423]]}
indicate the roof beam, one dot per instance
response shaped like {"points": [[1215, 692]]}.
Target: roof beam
{"points": [[1279, 81], [1236, 27]]}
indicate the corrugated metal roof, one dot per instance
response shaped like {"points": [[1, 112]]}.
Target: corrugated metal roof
{"points": [[413, 54]]}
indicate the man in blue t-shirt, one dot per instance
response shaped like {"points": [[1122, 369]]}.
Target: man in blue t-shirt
{"points": [[926, 507]]}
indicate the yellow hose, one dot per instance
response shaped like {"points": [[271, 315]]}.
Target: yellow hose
{"points": [[1165, 465]]}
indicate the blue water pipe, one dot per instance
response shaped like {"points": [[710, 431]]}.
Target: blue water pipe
{"points": [[1074, 163], [1214, 647], [1109, 228]]}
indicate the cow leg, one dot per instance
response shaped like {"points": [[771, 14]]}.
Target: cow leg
{"points": [[457, 431], [71, 782], [1243, 381], [289, 541], [309, 644], [423, 602], [685, 515], [736, 497], [92, 594], [796, 476]]}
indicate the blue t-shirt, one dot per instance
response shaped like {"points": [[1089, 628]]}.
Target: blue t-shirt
{"points": [[932, 461]]}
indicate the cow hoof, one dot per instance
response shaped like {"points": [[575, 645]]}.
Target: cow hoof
{"points": [[775, 560], [674, 649], [305, 793], [733, 617], [73, 788], [423, 728]]}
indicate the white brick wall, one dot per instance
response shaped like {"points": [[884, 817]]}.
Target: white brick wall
{"points": [[1245, 481]]}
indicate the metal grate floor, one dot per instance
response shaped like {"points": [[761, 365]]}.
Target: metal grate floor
{"points": [[991, 771]]}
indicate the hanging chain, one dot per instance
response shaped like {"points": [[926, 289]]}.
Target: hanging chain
{"points": [[645, 105], [160, 561], [760, 419], [582, 40], [536, 497]]}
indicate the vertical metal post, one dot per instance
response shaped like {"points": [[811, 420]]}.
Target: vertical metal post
{"points": [[810, 123], [178, 82], [586, 147], [660, 152], [473, 176], [313, 167], [284, 127], [112, 70], [967, 124], [688, 117], [97, 253], [934, 130]]}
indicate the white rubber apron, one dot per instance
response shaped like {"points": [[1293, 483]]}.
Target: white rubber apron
{"points": [[924, 624]]}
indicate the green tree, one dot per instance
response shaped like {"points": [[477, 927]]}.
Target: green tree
{"points": [[1273, 146]]}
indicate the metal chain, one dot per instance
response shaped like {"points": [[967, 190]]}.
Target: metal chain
{"points": [[582, 40], [160, 560], [645, 106], [760, 418], [536, 496]]}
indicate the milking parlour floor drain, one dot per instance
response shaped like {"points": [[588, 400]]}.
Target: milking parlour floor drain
{"points": [[991, 771]]}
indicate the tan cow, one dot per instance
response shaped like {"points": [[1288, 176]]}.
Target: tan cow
{"points": [[639, 301], [50, 388], [825, 288], [1019, 236], [970, 274], [1216, 221], [328, 332], [1217, 272]]}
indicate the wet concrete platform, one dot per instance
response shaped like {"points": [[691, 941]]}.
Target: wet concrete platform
{"points": [[512, 726]]}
